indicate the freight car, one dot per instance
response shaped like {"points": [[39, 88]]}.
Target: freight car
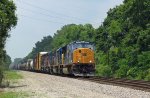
{"points": [[76, 58], [37, 61], [29, 64]]}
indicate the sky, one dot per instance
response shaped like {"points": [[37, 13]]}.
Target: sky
{"points": [[39, 18]]}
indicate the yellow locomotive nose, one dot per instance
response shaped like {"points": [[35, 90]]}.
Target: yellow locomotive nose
{"points": [[83, 56]]}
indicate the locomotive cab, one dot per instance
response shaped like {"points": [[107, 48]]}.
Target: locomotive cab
{"points": [[83, 58]]}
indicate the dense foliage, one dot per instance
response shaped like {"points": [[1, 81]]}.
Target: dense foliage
{"points": [[43, 45], [67, 34], [122, 41], [8, 20]]}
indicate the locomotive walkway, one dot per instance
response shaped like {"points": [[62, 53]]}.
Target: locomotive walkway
{"points": [[38, 85]]}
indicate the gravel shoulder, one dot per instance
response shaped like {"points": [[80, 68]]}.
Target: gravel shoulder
{"points": [[39, 85]]}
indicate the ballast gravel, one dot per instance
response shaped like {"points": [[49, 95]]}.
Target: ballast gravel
{"points": [[38, 85]]}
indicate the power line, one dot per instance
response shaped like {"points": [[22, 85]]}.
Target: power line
{"points": [[50, 11], [76, 18], [40, 19], [44, 20], [40, 13]]}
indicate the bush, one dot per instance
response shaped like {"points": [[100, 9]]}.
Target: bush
{"points": [[122, 72], [132, 73], [141, 74], [123, 69], [104, 71], [101, 58], [148, 76], [137, 73], [1, 76]]}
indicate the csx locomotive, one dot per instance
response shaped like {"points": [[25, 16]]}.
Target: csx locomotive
{"points": [[76, 58]]}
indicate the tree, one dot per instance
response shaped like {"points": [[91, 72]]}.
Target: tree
{"points": [[122, 41], [67, 34], [44, 45], [123, 38], [8, 20]]}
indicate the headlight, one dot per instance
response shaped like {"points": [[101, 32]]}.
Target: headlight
{"points": [[90, 61]]}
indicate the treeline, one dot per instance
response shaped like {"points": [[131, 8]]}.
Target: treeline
{"points": [[122, 41], [8, 20], [67, 34]]}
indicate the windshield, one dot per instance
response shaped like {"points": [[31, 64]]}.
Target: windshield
{"points": [[83, 45]]}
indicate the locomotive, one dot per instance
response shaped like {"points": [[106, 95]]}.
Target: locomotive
{"points": [[76, 58]]}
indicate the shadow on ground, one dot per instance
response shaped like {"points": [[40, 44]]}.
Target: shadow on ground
{"points": [[17, 86]]}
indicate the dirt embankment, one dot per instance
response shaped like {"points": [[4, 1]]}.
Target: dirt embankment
{"points": [[38, 85]]}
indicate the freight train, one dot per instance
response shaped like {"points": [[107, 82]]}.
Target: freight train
{"points": [[76, 58]]}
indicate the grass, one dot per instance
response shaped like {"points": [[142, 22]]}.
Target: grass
{"points": [[12, 75], [9, 95], [13, 95]]}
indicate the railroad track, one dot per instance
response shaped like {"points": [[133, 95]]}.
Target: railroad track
{"points": [[134, 84]]}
